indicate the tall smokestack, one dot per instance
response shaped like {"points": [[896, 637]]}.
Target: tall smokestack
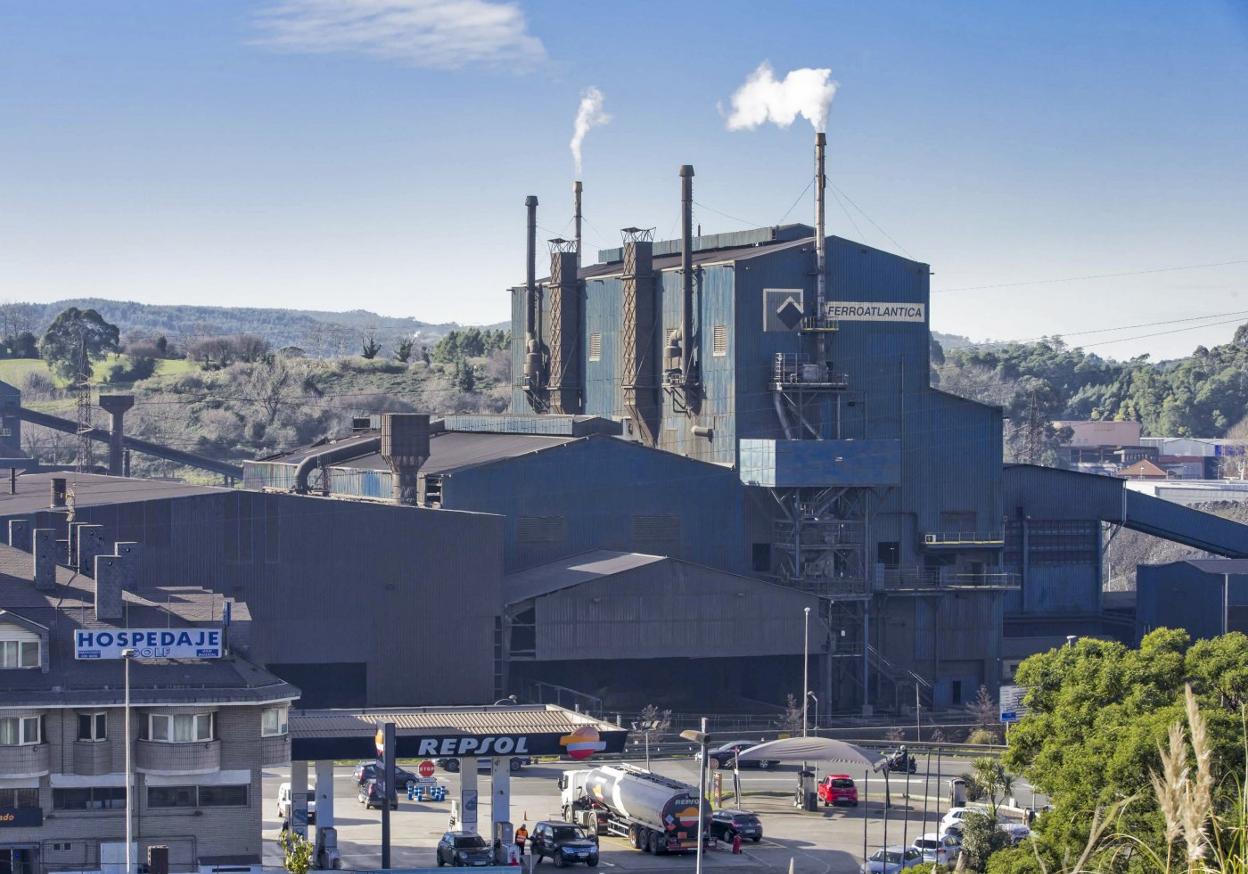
{"points": [[821, 254], [530, 270], [576, 216], [686, 268]]}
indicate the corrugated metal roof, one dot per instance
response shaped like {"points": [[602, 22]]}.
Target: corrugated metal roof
{"points": [[668, 262], [1220, 565], [516, 719], [448, 450], [71, 606], [90, 489], [547, 578]]}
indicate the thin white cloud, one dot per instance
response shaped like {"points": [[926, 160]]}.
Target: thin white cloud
{"points": [[436, 34]]}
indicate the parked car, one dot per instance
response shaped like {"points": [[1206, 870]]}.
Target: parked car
{"points": [[464, 851], [892, 860], [939, 849], [285, 803], [725, 755], [726, 824], [372, 793], [451, 766], [838, 789], [953, 821], [1016, 831], [563, 842], [366, 771]]}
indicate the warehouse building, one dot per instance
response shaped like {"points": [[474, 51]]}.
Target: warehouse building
{"points": [[357, 603], [203, 725], [1204, 597]]}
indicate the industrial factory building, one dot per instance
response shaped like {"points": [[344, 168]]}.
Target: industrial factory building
{"points": [[722, 451]]}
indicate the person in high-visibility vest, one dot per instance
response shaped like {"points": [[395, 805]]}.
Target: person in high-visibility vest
{"points": [[522, 835]]}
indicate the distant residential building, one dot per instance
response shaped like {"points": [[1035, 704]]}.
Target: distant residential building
{"points": [[1144, 469], [1101, 443]]}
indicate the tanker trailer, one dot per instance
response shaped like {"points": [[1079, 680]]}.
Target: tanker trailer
{"points": [[656, 813]]}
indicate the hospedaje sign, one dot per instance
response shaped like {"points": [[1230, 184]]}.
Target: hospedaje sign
{"points": [[149, 643]]}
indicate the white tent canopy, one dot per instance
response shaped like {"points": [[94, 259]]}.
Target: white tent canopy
{"points": [[812, 749]]}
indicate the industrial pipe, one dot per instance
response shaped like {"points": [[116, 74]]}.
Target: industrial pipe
{"points": [[821, 255], [530, 268], [116, 406], [330, 454], [686, 268], [576, 216]]}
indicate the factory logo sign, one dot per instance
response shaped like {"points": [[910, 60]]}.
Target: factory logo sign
{"points": [[149, 643], [783, 309], [582, 743], [874, 311]]}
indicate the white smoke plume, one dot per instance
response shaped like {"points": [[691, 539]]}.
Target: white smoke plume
{"points": [[806, 92], [589, 114]]}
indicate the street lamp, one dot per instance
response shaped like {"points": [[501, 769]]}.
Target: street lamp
{"points": [[510, 699], [702, 738], [805, 665], [126, 656], [813, 697]]}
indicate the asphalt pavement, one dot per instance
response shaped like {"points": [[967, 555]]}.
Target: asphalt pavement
{"points": [[826, 841]]}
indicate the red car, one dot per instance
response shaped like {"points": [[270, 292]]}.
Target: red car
{"points": [[838, 789]]}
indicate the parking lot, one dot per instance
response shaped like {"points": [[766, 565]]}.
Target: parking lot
{"points": [[829, 840]]}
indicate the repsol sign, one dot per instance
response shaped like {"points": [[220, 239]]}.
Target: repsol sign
{"points": [[149, 643], [489, 745]]}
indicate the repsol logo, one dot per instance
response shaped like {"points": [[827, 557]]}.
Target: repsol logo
{"points": [[473, 746]]}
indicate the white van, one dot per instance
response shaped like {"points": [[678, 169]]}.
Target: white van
{"points": [[284, 803]]}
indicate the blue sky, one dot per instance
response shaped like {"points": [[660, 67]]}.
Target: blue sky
{"points": [[288, 154]]}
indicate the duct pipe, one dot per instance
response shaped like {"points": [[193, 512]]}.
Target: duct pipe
{"points": [[330, 454], [821, 254], [576, 216], [686, 269]]}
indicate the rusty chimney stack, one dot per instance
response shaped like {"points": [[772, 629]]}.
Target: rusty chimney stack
{"points": [[821, 254], [576, 218], [405, 447], [116, 406]]}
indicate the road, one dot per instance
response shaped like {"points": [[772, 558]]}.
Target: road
{"points": [[829, 841]]}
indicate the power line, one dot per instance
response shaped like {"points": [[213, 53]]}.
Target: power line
{"points": [[1091, 276], [796, 202], [873, 221], [733, 217]]}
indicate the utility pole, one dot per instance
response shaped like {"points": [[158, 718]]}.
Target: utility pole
{"points": [[805, 667], [918, 717], [82, 389]]}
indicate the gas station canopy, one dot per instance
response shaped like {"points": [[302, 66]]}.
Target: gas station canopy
{"points": [[459, 732], [812, 749]]}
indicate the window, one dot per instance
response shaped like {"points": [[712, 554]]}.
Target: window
{"points": [[273, 721], [180, 729], [197, 796], [595, 346], [19, 730], [19, 797], [171, 796], [888, 553], [93, 726], [222, 796], [19, 654], [90, 798], [719, 341]]}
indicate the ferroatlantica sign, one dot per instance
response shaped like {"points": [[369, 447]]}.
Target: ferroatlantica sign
{"points": [[874, 311], [149, 643]]}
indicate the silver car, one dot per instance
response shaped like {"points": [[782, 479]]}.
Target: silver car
{"points": [[939, 849], [892, 860]]}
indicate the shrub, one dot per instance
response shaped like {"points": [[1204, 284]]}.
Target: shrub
{"points": [[983, 736]]}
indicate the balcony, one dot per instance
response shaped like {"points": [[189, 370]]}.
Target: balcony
{"points": [[275, 750], [920, 580], [28, 760], [157, 757], [93, 757], [964, 539]]}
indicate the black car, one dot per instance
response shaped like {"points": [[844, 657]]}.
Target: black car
{"points": [[464, 851], [366, 771], [726, 824], [725, 755], [372, 793], [451, 766], [563, 843]]}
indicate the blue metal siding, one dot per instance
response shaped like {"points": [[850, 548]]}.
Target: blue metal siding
{"points": [[604, 315], [1179, 595], [794, 463], [595, 489]]}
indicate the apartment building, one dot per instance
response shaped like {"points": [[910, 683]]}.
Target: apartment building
{"points": [[203, 722]]}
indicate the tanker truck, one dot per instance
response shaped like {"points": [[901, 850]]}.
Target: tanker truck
{"points": [[655, 813]]}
